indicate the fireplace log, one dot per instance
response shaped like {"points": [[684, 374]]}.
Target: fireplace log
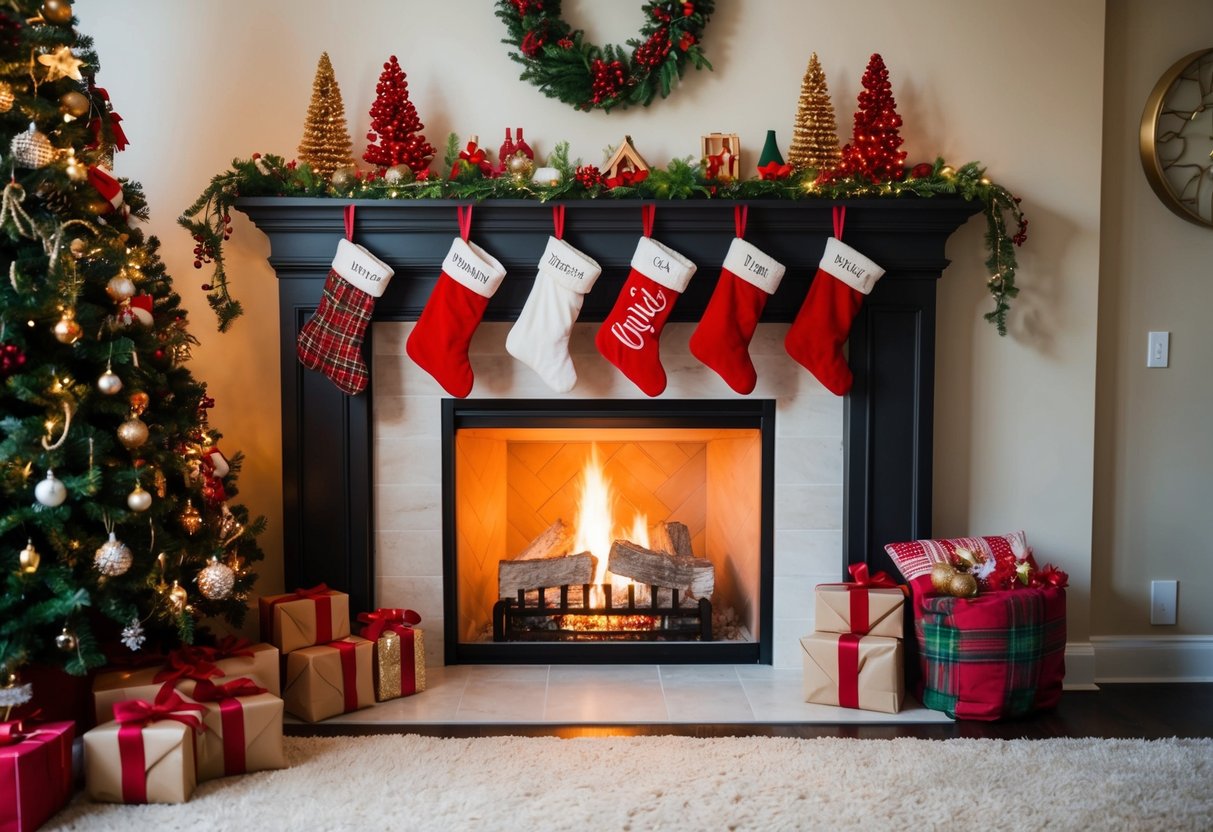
{"points": [[574, 570], [691, 575], [553, 542], [674, 538]]}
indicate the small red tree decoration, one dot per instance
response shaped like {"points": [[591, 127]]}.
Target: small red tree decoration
{"points": [[873, 150], [395, 137]]}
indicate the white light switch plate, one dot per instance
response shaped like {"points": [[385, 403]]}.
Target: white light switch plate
{"points": [[1160, 349], [1163, 597]]}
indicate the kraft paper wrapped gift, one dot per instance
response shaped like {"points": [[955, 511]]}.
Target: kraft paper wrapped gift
{"points": [[304, 618], [329, 679], [244, 728], [864, 672], [35, 772], [399, 651], [146, 755], [229, 659], [847, 608]]}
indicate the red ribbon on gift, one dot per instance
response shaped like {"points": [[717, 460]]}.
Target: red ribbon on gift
{"points": [[848, 670], [12, 732], [319, 594], [230, 647], [349, 672], [858, 589], [231, 717], [188, 662], [387, 618], [132, 716], [37, 780]]}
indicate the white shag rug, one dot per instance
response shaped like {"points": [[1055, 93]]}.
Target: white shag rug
{"points": [[408, 782]]}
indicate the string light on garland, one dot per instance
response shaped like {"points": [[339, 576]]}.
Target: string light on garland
{"points": [[50, 492], [564, 65], [216, 580]]}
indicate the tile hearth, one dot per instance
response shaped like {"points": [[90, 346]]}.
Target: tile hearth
{"points": [[617, 694]]}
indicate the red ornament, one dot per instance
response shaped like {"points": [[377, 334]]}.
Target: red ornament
{"points": [[873, 152], [12, 359], [922, 170], [588, 176], [395, 137]]}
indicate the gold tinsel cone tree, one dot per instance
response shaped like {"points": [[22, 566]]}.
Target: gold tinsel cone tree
{"points": [[815, 133], [326, 143]]}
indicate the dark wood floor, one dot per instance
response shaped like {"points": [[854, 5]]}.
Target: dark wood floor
{"points": [[1146, 711]]}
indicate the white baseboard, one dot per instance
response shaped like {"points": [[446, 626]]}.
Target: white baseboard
{"points": [[1151, 658], [1080, 666]]}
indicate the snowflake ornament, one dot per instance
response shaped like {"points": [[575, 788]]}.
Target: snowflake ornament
{"points": [[132, 635]]}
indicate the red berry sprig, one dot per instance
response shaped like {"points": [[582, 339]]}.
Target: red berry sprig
{"points": [[608, 79], [588, 176]]}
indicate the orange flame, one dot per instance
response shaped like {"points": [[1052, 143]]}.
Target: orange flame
{"points": [[596, 524]]}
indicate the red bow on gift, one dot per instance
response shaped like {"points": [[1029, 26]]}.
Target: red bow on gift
{"points": [[861, 578], [188, 663], [230, 647], [774, 170], [1050, 575], [387, 618], [627, 178], [208, 691], [12, 732], [314, 592], [168, 705]]}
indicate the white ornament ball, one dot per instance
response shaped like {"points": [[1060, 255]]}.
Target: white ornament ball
{"points": [[216, 580], [120, 288], [113, 557], [546, 176], [109, 383], [51, 491], [139, 500]]}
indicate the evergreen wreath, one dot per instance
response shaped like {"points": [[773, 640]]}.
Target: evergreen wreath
{"points": [[557, 58]]}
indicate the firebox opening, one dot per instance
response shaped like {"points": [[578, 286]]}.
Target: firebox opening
{"points": [[608, 531]]}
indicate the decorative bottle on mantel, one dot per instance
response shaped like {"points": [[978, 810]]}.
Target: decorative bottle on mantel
{"points": [[508, 149], [770, 151], [523, 147]]}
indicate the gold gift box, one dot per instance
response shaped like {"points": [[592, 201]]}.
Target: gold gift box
{"points": [[120, 685], [832, 611], [168, 755], [881, 676], [314, 686], [262, 714], [291, 625], [389, 665]]}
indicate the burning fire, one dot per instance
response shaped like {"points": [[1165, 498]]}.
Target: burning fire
{"points": [[597, 529]]}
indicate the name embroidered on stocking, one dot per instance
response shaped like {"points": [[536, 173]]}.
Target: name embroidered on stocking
{"points": [[630, 331]]}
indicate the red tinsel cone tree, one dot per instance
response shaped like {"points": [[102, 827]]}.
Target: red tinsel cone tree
{"points": [[873, 152], [395, 135]]}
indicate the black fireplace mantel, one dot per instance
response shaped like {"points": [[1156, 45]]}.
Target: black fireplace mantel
{"points": [[327, 489]]}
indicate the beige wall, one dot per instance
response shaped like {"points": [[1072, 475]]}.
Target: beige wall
{"points": [[1154, 469], [200, 83]]}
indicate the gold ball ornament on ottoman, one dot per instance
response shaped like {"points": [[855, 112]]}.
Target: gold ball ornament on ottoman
{"points": [[113, 557], [941, 576], [32, 149], [962, 585], [66, 330], [132, 433], [216, 580]]}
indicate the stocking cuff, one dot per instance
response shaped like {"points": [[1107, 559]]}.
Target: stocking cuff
{"points": [[568, 267], [473, 268], [361, 269], [661, 264], [849, 266], [753, 266]]}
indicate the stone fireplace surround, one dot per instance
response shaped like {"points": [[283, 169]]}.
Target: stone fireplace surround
{"points": [[851, 474]]}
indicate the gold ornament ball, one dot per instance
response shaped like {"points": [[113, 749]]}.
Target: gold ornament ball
{"points": [[113, 557], [66, 640], [398, 175], [7, 98], [178, 597], [132, 433], [962, 585], [98, 206], [217, 580], [120, 288], [66, 330], [342, 177], [191, 520], [74, 104], [58, 12], [139, 500], [109, 383], [941, 576], [29, 559]]}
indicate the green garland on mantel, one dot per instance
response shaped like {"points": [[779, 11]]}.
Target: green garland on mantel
{"points": [[208, 219]]}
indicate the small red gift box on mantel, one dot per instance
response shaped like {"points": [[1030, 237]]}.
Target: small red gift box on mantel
{"points": [[35, 772]]}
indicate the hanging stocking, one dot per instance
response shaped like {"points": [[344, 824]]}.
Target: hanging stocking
{"points": [[844, 278], [629, 337], [722, 339], [439, 342], [540, 338], [331, 341]]}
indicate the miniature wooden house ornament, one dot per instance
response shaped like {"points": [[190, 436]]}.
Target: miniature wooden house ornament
{"points": [[721, 154], [625, 160]]}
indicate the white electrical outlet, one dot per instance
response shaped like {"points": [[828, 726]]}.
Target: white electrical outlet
{"points": [[1163, 596], [1159, 349]]}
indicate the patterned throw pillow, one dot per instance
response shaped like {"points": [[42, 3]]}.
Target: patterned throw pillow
{"points": [[916, 558]]}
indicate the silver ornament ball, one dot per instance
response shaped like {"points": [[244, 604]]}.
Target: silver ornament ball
{"points": [[66, 640], [109, 383], [139, 500], [113, 557], [51, 491], [216, 580], [120, 288]]}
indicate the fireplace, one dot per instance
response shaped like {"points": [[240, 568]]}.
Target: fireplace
{"points": [[608, 530]]}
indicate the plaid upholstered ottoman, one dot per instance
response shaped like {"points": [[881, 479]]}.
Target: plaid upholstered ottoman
{"points": [[993, 656]]}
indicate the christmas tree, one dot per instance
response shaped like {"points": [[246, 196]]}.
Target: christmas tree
{"points": [[326, 138], [114, 512], [873, 151], [815, 133], [395, 137]]}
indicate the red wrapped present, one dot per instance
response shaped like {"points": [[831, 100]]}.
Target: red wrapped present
{"points": [[996, 655], [147, 754], [230, 658], [329, 679], [304, 618], [865, 672], [869, 605], [35, 772], [244, 728], [399, 651]]}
